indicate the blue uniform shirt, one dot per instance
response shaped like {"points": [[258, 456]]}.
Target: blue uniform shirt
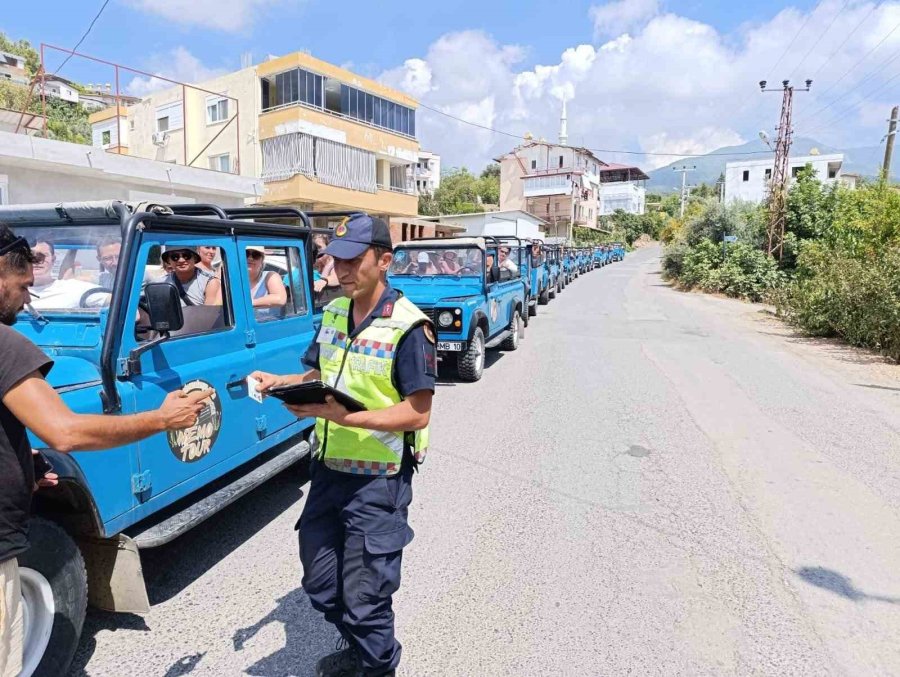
{"points": [[415, 361]]}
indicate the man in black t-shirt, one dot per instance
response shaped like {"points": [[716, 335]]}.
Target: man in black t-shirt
{"points": [[27, 401]]}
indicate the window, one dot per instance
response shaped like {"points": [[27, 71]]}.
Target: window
{"points": [[795, 171], [209, 309], [106, 137], [169, 117], [746, 176], [162, 124], [4, 189], [560, 161], [290, 87], [534, 164], [220, 163], [131, 125], [216, 110], [768, 175], [276, 281]]}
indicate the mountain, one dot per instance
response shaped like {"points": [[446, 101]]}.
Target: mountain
{"points": [[865, 161]]}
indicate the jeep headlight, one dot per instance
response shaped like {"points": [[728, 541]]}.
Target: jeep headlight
{"points": [[445, 319]]}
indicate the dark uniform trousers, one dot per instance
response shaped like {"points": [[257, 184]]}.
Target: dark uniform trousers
{"points": [[352, 533]]}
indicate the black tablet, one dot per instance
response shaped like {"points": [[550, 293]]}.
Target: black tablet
{"points": [[313, 392]]}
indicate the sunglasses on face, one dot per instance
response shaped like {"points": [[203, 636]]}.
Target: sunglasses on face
{"points": [[180, 256], [254, 255]]}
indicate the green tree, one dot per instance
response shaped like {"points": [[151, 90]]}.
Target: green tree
{"points": [[461, 192]]}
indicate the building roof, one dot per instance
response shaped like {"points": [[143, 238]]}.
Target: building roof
{"points": [[531, 144], [610, 171], [524, 214]]}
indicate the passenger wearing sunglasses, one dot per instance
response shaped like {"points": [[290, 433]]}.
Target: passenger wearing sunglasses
{"points": [[195, 286], [266, 287]]}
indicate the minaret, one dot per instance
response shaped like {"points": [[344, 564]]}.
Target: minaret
{"points": [[563, 126]]}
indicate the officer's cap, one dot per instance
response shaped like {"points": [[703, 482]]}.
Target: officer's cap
{"points": [[353, 237]]}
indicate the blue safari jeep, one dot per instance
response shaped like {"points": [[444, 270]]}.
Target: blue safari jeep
{"points": [[555, 266], [121, 339], [618, 251], [474, 302]]}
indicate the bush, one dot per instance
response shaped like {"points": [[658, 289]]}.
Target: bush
{"points": [[857, 299], [741, 271]]}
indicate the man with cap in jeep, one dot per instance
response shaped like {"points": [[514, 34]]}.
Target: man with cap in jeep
{"points": [[377, 347], [195, 286]]}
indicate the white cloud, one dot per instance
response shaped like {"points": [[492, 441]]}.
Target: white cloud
{"points": [[619, 16], [224, 15], [179, 65], [672, 84]]}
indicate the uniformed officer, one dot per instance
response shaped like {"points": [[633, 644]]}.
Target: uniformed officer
{"points": [[376, 346]]}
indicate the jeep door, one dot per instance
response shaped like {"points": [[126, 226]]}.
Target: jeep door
{"points": [[281, 333], [210, 351]]}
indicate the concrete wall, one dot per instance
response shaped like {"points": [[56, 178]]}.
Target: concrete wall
{"points": [[42, 170]]}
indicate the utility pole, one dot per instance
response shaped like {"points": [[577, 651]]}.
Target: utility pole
{"points": [[778, 186], [683, 170], [889, 150]]}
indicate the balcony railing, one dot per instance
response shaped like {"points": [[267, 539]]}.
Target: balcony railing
{"points": [[397, 189]]}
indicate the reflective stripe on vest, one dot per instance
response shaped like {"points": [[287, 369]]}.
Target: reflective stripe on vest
{"points": [[363, 368]]}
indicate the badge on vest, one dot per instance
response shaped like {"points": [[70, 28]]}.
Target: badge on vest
{"points": [[326, 335], [388, 309]]}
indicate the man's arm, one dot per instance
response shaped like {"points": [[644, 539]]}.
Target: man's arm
{"points": [[40, 409], [413, 413], [267, 380], [213, 294]]}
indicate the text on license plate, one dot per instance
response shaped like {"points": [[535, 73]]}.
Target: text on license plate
{"points": [[450, 346]]}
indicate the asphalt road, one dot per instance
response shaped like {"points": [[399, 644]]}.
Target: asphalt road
{"points": [[655, 483]]}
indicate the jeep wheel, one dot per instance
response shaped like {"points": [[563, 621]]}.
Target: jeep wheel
{"points": [[54, 598], [544, 298], [554, 290], [532, 309], [470, 364], [511, 342]]}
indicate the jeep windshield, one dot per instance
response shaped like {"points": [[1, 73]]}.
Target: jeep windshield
{"points": [[78, 267], [430, 261]]}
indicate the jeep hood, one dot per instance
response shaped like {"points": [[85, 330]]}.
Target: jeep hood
{"points": [[430, 291]]}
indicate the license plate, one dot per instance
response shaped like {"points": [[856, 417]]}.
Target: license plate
{"points": [[450, 346]]}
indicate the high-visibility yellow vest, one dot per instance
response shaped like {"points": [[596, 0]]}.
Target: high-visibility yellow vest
{"points": [[363, 368]]}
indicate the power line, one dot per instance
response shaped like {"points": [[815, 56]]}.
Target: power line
{"points": [[78, 44], [843, 113], [867, 55], [816, 43], [593, 150], [793, 40], [846, 40]]}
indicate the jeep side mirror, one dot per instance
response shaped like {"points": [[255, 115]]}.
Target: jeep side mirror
{"points": [[164, 306]]}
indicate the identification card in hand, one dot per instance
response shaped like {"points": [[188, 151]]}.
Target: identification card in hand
{"points": [[252, 385]]}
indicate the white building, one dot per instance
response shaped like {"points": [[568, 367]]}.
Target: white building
{"points": [[36, 170], [508, 222], [60, 88], [622, 187], [748, 180], [427, 173], [12, 68]]}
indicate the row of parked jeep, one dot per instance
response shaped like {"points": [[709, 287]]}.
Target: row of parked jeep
{"points": [[481, 292], [124, 355]]}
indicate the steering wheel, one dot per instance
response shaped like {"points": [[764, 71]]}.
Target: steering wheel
{"points": [[82, 302]]}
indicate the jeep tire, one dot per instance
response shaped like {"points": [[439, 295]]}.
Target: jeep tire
{"points": [[554, 290], [544, 298], [511, 342], [53, 575], [532, 308], [470, 364]]}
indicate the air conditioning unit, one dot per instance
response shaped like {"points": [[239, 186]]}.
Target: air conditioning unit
{"points": [[160, 138]]}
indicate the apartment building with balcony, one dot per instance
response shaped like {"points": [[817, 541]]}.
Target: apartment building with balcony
{"points": [[333, 140], [557, 183], [622, 188], [427, 173], [320, 137]]}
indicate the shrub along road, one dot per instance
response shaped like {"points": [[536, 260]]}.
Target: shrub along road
{"points": [[655, 483]]}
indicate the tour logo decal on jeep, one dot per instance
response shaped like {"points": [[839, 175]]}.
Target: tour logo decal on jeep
{"points": [[192, 444], [495, 309]]}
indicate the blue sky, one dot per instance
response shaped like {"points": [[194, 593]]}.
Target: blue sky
{"points": [[649, 76]]}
